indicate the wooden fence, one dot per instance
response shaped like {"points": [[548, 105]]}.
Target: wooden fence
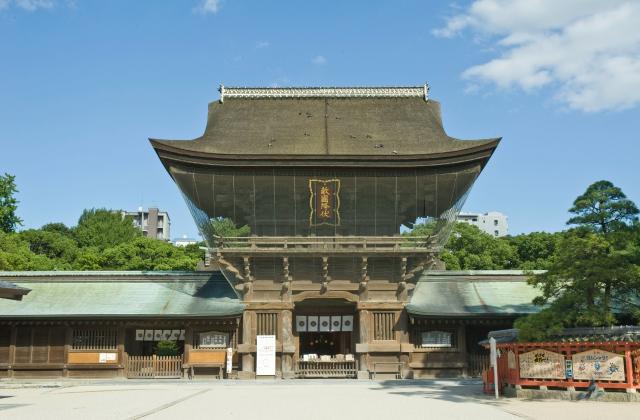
{"points": [[327, 369], [476, 363], [154, 367]]}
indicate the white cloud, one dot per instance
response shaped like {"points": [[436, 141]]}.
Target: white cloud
{"points": [[588, 51], [263, 44], [319, 60], [208, 6], [32, 5], [28, 5]]}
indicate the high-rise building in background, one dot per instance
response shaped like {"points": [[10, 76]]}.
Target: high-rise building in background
{"points": [[494, 223], [152, 222]]}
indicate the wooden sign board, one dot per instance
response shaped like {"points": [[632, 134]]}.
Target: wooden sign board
{"points": [[598, 364], [542, 364]]}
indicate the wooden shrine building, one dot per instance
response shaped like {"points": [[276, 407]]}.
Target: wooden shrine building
{"points": [[326, 179], [105, 324]]}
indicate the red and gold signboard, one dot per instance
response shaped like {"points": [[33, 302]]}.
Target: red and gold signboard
{"points": [[324, 201]]}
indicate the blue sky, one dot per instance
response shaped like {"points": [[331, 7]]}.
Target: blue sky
{"points": [[85, 83]]}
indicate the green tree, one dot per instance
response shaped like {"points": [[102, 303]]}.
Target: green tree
{"points": [[195, 251], [90, 258], [8, 204], [102, 228], [147, 254], [594, 274], [469, 248], [603, 208], [167, 348], [57, 227], [15, 255], [51, 244], [226, 228], [535, 250]]}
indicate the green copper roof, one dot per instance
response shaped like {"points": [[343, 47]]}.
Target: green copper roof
{"points": [[473, 293], [121, 294]]}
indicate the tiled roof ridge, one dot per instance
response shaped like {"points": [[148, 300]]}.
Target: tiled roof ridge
{"points": [[325, 92]]}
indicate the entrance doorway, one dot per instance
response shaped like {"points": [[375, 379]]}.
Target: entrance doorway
{"points": [[327, 343], [326, 337]]}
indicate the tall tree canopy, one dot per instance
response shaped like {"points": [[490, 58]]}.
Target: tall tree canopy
{"points": [[8, 204], [594, 276], [103, 240], [469, 248], [603, 208], [102, 228]]}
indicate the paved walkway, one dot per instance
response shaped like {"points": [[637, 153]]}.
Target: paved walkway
{"points": [[267, 400]]}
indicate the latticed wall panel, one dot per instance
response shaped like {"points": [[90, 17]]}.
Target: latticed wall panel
{"points": [[383, 325], [95, 339], [267, 323]]}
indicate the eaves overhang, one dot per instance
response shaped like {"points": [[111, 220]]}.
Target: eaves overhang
{"points": [[169, 154]]}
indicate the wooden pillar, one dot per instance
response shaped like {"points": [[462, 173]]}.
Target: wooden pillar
{"points": [[462, 347], [405, 343], [68, 342], [188, 345], [248, 343], [629, 368], [362, 347], [121, 334], [188, 342], [288, 343], [12, 350]]}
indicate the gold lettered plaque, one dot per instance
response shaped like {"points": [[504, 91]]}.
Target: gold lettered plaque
{"points": [[598, 364], [542, 364], [324, 202]]}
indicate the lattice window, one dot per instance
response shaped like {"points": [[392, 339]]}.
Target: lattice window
{"points": [[437, 339], [267, 323], [95, 339], [383, 323], [211, 340], [428, 335]]}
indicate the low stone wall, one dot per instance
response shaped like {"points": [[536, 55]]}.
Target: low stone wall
{"points": [[598, 395]]}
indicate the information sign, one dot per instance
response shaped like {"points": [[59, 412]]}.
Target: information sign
{"points": [[568, 368], [266, 355], [229, 359]]}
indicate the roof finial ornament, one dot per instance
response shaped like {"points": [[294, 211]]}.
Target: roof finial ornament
{"points": [[221, 90], [426, 91]]}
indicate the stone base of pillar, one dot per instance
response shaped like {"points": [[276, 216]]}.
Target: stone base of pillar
{"points": [[363, 374], [246, 375], [288, 375], [631, 390]]}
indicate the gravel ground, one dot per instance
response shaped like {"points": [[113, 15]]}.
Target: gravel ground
{"points": [[284, 399]]}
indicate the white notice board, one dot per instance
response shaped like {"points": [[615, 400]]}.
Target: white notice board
{"points": [[266, 355]]}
